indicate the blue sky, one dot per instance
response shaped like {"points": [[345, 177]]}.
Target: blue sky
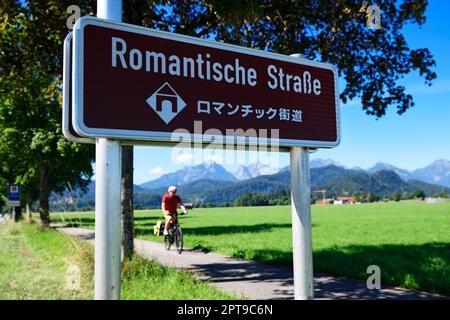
{"points": [[412, 140]]}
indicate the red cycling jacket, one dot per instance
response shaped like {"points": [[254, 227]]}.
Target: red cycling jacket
{"points": [[170, 203]]}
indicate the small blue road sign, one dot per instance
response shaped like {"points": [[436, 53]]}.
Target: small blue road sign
{"points": [[14, 194]]}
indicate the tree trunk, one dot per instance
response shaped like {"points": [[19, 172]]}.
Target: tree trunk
{"points": [[127, 202], [44, 174], [16, 213], [28, 205]]}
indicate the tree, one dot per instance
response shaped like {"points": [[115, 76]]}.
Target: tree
{"points": [[406, 195], [371, 197], [371, 61], [127, 202], [136, 12], [33, 149], [396, 196], [419, 194], [442, 194]]}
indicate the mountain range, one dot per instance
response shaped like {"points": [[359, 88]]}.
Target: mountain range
{"points": [[337, 181], [209, 170], [437, 172], [326, 174], [211, 184]]}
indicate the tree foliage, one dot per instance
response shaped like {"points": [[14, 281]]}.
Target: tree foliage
{"points": [[419, 194], [32, 147], [279, 197], [396, 196], [370, 61], [372, 197]]}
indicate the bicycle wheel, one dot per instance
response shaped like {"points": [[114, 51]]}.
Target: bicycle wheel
{"points": [[178, 237], [168, 240]]}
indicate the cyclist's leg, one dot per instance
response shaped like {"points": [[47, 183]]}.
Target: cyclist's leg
{"points": [[167, 224], [174, 218]]}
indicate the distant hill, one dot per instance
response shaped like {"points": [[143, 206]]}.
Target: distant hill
{"points": [[192, 188], [228, 193], [208, 170], [437, 172], [317, 163], [336, 180], [321, 175], [382, 183], [402, 173]]}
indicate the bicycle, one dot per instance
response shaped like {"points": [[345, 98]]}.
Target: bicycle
{"points": [[175, 235]]}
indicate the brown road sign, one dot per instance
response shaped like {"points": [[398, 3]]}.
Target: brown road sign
{"points": [[139, 84]]}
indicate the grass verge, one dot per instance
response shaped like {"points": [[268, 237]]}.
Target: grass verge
{"points": [[409, 241], [39, 263]]}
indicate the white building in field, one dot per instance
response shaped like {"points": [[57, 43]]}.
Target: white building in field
{"points": [[344, 200], [431, 200]]}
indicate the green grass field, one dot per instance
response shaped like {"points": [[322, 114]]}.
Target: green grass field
{"points": [[34, 264], [409, 241]]}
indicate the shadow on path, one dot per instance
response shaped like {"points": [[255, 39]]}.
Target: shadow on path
{"points": [[425, 266]]}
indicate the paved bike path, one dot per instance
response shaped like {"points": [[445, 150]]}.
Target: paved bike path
{"points": [[256, 280]]}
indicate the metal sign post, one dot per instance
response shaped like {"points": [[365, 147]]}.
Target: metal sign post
{"points": [[301, 224], [301, 221], [107, 196]]}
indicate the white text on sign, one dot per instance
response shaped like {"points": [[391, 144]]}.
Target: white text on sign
{"points": [[203, 67]]}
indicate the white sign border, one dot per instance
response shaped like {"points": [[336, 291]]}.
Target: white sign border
{"points": [[165, 137], [67, 72]]}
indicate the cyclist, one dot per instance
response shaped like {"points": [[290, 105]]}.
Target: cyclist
{"points": [[169, 207]]}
